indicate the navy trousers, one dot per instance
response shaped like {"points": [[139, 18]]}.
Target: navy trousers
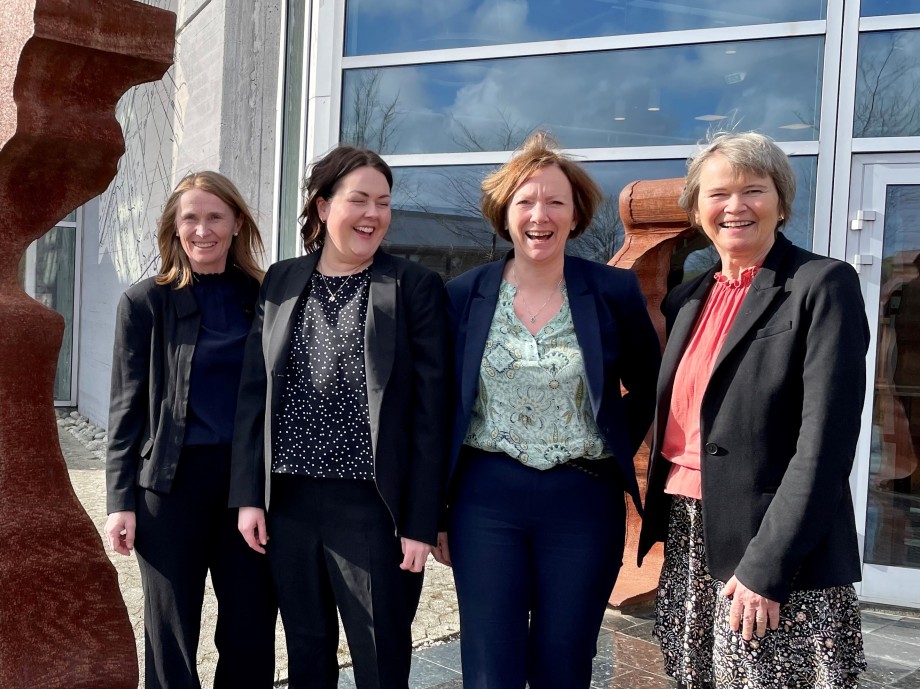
{"points": [[181, 535], [535, 557]]}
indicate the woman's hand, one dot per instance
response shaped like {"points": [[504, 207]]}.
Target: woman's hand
{"points": [[749, 610], [441, 552], [251, 523], [414, 554], [119, 529]]}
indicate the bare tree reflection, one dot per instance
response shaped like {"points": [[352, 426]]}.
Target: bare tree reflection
{"points": [[887, 81]]}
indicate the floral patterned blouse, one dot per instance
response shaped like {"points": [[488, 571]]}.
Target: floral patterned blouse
{"points": [[533, 396]]}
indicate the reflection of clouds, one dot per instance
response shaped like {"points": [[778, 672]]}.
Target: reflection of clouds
{"points": [[407, 25], [574, 95]]}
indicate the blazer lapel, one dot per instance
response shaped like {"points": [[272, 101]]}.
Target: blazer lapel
{"points": [[764, 290], [587, 332], [379, 337], [681, 331], [289, 292], [479, 320]]}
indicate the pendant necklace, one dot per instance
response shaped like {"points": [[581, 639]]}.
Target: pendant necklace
{"points": [[532, 315], [326, 285]]}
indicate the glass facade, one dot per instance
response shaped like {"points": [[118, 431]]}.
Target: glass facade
{"points": [[643, 97], [888, 85], [374, 27]]}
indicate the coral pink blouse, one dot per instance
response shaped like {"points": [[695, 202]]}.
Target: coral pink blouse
{"points": [[681, 445]]}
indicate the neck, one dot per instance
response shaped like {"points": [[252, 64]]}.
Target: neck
{"points": [[538, 275], [333, 266], [733, 265]]}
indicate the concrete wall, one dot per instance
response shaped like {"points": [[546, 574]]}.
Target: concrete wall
{"points": [[215, 109]]}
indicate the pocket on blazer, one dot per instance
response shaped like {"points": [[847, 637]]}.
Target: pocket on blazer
{"points": [[771, 330]]}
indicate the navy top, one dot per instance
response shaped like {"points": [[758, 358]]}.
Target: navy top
{"points": [[322, 428], [218, 360]]}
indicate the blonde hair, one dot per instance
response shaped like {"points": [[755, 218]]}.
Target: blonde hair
{"points": [[539, 151], [245, 247], [748, 152]]}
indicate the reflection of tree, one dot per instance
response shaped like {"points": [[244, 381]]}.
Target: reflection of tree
{"points": [[887, 81], [369, 122], [604, 236], [506, 136]]}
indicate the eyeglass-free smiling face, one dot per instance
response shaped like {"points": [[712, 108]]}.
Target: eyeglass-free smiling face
{"points": [[739, 211], [357, 218], [206, 225], [541, 215]]}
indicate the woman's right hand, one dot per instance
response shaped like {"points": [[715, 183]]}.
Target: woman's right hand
{"points": [[251, 523], [119, 530]]}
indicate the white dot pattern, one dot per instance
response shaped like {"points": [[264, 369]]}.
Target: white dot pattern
{"points": [[323, 429]]}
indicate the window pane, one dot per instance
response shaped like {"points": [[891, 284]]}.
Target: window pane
{"points": [[875, 8], [643, 97], [374, 26], [436, 217], [888, 84]]}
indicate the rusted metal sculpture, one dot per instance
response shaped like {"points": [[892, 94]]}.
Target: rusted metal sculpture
{"points": [[655, 227], [63, 66]]}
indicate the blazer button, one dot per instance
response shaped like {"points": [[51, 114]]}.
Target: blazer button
{"points": [[712, 449]]}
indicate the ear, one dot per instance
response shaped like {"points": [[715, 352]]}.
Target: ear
{"points": [[239, 225], [695, 216], [322, 207]]}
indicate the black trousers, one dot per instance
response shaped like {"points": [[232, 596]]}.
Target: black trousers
{"points": [[535, 556], [180, 537], [332, 545]]}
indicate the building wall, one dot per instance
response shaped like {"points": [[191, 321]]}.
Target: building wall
{"points": [[214, 109]]}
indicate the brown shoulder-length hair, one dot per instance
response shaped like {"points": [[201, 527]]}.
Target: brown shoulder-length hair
{"points": [[323, 181], [539, 151], [246, 248]]}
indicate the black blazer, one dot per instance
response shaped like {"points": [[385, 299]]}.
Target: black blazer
{"points": [[155, 335], [779, 424], [616, 337], [406, 351]]}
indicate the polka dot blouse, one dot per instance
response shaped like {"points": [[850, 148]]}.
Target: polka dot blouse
{"points": [[323, 428]]}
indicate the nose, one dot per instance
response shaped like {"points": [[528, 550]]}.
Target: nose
{"points": [[735, 203], [538, 215]]}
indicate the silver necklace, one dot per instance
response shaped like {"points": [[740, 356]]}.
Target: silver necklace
{"points": [[533, 314], [326, 285]]}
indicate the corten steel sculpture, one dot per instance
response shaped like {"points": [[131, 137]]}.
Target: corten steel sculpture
{"points": [[655, 226], [63, 66]]}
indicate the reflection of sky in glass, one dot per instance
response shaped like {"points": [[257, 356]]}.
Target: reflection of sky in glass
{"points": [[902, 220], [642, 97], [875, 8], [439, 206], [386, 26], [888, 84]]}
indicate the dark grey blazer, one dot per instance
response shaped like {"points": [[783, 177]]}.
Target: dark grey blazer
{"points": [[779, 424], [155, 335], [407, 358]]}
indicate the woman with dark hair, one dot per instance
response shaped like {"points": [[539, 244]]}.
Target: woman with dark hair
{"points": [[759, 402], [175, 372], [543, 437], [342, 421]]}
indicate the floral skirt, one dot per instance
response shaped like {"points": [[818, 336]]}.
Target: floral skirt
{"points": [[818, 643]]}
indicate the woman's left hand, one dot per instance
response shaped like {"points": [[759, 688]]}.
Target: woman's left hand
{"points": [[415, 553], [749, 610]]}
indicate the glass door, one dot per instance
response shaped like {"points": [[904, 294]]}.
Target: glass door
{"points": [[49, 275], [884, 245]]}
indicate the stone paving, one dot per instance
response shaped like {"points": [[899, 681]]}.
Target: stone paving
{"points": [[437, 619]]}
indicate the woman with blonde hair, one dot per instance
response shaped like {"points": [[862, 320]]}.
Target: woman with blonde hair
{"points": [[175, 372]]}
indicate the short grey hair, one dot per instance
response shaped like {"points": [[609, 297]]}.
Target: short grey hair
{"points": [[746, 152]]}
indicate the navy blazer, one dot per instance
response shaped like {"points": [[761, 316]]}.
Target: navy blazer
{"points": [[406, 355], [779, 424], [155, 336], [617, 340]]}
